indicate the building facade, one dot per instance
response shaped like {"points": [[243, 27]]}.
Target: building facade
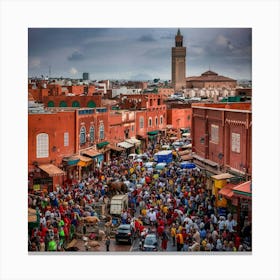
{"points": [[222, 137], [179, 63], [210, 79]]}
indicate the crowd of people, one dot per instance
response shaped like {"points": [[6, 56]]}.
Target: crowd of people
{"points": [[174, 201]]}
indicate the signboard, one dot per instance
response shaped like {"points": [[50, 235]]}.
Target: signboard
{"points": [[36, 187], [235, 142]]}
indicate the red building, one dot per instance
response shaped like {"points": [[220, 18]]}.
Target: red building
{"points": [[222, 137], [179, 116], [72, 101], [57, 139]]}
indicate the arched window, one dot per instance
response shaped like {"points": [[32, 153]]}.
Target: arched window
{"points": [[141, 122], [161, 120], [150, 122], [62, 104], [101, 131], [83, 135], [91, 134], [50, 103], [75, 104], [91, 104], [42, 145], [156, 121]]}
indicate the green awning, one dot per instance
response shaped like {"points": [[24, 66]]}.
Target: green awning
{"points": [[154, 132], [71, 160], [102, 144]]}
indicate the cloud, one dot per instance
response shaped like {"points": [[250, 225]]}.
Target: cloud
{"points": [[224, 42], [73, 71], [147, 38], [76, 56], [35, 63]]}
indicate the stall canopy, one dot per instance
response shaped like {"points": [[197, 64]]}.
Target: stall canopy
{"points": [[154, 132], [133, 141], [226, 191], [115, 148], [243, 190], [102, 144], [91, 153], [84, 161], [73, 160], [182, 153], [186, 157], [125, 145], [223, 176], [52, 170]]}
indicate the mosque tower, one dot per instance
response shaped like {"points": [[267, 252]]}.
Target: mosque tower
{"points": [[178, 63]]}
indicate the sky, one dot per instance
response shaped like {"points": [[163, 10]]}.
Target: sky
{"points": [[137, 53]]}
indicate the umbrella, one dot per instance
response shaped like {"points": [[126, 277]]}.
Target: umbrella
{"points": [[188, 165]]}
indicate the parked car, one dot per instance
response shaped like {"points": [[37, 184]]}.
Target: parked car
{"points": [[150, 243], [124, 234]]}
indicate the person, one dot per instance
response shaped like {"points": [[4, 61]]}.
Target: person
{"points": [[173, 233], [164, 240], [107, 242]]}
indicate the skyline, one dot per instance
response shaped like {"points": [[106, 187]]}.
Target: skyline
{"points": [[137, 53]]}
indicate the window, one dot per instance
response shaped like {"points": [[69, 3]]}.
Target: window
{"points": [[101, 131], [235, 142], [91, 134], [150, 122], [156, 121], [161, 120], [83, 135], [62, 104], [188, 117], [141, 122], [50, 103], [132, 128], [75, 104], [214, 133], [91, 104], [42, 145], [66, 139]]}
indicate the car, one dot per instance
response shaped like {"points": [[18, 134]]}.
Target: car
{"points": [[124, 234], [150, 242]]}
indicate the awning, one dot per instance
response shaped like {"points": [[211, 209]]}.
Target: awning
{"points": [[91, 153], [186, 157], [52, 170], [207, 161], [115, 148], [184, 152], [71, 160], [154, 132], [125, 145], [223, 176], [186, 134], [84, 161], [102, 144], [244, 189], [133, 141], [226, 191]]}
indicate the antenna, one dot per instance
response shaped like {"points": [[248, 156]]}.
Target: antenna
{"points": [[50, 69]]}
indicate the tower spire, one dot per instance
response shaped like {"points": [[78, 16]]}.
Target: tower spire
{"points": [[178, 32]]}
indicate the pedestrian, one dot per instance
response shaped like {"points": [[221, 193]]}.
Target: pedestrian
{"points": [[164, 240], [107, 242], [173, 234]]}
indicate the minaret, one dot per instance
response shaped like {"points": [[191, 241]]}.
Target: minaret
{"points": [[178, 63]]}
